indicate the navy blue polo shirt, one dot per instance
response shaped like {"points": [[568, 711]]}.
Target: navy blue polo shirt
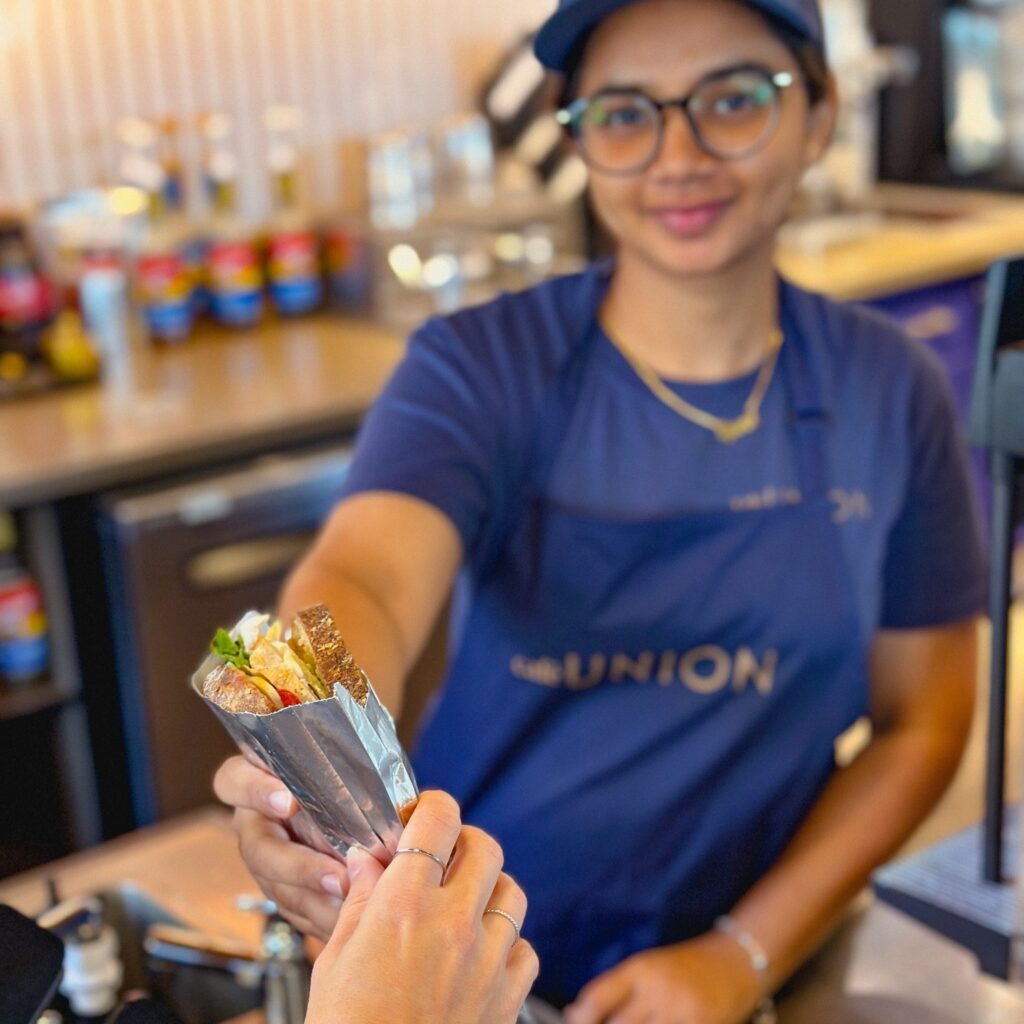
{"points": [[644, 736]]}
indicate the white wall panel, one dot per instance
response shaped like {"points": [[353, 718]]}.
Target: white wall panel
{"points": [[70, 68]]}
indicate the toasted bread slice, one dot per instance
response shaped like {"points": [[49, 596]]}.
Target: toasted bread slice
{"points": [[231, 689], [316, 639]]}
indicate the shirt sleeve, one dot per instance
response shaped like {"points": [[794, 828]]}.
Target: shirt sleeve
{"points": [[436, 432], [934, 568]]}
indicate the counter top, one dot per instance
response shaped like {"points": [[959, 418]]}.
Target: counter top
{"points": [[880, 968], [219, 396], [905, 237]]}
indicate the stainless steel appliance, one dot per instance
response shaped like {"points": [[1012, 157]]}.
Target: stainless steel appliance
{"points": [[182, 560]]}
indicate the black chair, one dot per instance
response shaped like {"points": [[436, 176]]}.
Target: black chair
{"points": [[997, 425]]}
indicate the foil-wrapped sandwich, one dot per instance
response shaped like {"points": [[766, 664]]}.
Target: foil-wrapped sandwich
{"points": [[297, 704], [263, 671]]}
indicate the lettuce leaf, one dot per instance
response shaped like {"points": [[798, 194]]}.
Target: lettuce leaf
{"points": [[232, 651]]}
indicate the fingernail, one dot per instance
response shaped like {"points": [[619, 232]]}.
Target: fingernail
{"points": [[332, 884], [280, 800], [356, 861]]}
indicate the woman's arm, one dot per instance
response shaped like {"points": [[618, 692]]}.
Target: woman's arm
{"points": [[384, 564], [922, 698], [922, 701]]}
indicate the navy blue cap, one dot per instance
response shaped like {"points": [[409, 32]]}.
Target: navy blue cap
{"points": [[574, 19]]}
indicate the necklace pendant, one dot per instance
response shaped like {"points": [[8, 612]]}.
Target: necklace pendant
{"points": [[731, 431]]}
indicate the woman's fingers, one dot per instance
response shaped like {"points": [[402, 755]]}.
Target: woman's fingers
{"points": [[523, 968], [303, 925], [318, 913], [603, 997], [501, 933], [365, 872], [272, 855], [242, 785], [433, 828], [453, 961], [474, 869]]}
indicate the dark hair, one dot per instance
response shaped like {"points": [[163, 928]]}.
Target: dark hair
{"points": [[809, 56]]}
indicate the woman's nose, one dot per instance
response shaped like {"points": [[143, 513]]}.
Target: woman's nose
{"points": [[681, 150]]}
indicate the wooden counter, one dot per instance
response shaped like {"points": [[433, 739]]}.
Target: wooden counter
{"points": [[881, 968], [905, 238], [218, 396]]}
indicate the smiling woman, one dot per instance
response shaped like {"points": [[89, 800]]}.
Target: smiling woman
{"points": [[700, 522], [704, 182]]}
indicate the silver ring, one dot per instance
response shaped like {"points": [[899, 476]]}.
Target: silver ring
{"points": [[508, 917], [425, 853]]}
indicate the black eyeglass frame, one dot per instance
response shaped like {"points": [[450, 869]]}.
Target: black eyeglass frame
{"points": [[570, 117]]}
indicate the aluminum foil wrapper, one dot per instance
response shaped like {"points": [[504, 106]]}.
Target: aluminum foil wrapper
{"points": [[342, 762]]}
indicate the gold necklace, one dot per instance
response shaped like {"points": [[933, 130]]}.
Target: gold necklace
{"points": [[727, 431]]}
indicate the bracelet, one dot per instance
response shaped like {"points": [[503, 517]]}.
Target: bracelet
{"points": [[758, 957], [765, 1012]]}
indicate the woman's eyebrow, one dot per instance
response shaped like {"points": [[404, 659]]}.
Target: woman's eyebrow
{"points": [[613, 86]]}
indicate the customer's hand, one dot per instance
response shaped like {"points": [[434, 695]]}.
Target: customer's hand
{"points": [[708, 980], [409, 950], [306, 886]]}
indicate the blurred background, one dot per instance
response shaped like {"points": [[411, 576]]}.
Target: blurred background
{"points": [[218, 221]]}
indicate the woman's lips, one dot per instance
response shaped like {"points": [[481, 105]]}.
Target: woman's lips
{"points": [[689, 221]]}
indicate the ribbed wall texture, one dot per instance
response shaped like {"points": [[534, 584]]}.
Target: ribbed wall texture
{"points": [[69, 69]]}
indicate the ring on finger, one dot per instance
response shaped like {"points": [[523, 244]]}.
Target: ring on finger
{"points": [[508, 917], [425, 853]]}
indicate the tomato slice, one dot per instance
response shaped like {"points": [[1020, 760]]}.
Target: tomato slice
{"points": [[288, 699]]}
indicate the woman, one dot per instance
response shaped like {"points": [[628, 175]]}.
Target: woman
{"points": [[701, 522]]}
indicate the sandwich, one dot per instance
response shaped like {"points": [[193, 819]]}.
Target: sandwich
{"points": [[297, 704], [262, 669]]}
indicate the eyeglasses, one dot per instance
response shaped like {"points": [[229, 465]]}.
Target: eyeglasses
{"points": [[732, 113]]}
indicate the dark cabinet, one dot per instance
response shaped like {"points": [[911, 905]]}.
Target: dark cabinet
{"points": [[180, 561]]}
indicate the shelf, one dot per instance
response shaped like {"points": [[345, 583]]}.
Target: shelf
{"points": [[30, 698]]}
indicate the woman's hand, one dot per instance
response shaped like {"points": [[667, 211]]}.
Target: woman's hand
{"points": [[306, 886], [407, 949], [708, 980]]}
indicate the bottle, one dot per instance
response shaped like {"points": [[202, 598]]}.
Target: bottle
{"points": [[103, 297], [24, 649], [26, 302], [293, 256], [193, 242], [163, 279], [348, 255], [170, 161], [233, 273], [93, 972]]}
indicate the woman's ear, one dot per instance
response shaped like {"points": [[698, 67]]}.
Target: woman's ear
{"points": [[821, 123]]}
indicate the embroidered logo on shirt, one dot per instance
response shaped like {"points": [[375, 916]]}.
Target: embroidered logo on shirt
{"points": [[767, 497], [848, 505], [705, 670]]}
